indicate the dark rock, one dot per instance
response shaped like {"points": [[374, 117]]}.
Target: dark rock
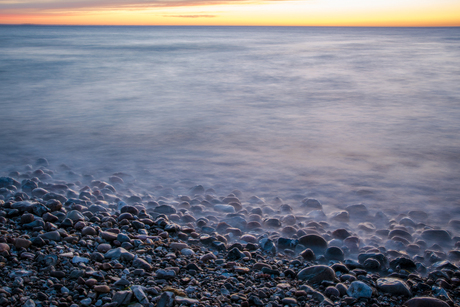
{"points": [[235, 254], [437, 235], [393, 286], [334, 253], [425, 302], [166, 209], [315, 242], [317, 274]]}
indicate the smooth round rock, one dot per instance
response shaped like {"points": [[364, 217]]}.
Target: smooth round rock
{"points": [[437, 235], [393, 286], [317, 243], [317, 274], [425, 302], [104, 247], [102, 289], [334, 253], [310, 203]]}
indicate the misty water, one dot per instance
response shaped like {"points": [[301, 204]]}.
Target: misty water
{"points": [[344, 115]]}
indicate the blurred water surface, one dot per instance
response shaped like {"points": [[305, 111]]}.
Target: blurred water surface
{"points": [[343, 114]]}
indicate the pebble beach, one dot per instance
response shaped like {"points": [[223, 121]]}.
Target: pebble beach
{"points": [[72, 239]]}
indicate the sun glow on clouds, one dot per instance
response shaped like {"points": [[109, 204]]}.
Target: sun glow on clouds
{"points": [[233, 12]]}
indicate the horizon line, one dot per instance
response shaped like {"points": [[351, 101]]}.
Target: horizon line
{"points": [[292, 26]]}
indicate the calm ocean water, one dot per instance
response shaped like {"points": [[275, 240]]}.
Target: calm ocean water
{"points": [[346, 115]]}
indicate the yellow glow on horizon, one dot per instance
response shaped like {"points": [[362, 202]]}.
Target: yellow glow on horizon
{"points": [[275, 13]]}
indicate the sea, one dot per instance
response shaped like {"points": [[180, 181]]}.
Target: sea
{"points": [[340, 114]]}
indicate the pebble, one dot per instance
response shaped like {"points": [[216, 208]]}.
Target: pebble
{"points": [[102, 289]]}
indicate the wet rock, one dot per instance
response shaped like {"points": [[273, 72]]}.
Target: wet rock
{"points": [[102, 289], [141, 263], [186, 301], [341, 234], [75, 216], [334, 253], [4, 247], [437, 235], [273, 222], [359, 210], [425, 302], [51, 235], [119, 253], [22, 243], [235, 254], [393, 286], [139, 294], [403, 263], [108, 236], [340, 216], [39, 192], [358, 289], [165, 209], [166, 299], [165, 274], [332, 291], [317, 274], [315, 242], [308, 255], [287, 243], [312, 204], [88, 231]]}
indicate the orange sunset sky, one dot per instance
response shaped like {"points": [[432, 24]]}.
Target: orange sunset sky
{"points": [[233, 12]]}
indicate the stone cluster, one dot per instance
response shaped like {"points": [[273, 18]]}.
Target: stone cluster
{"points": [[89, 242]]}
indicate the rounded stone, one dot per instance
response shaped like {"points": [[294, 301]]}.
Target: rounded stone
{"points": [[308, 255], [88, 231], [358, 289], [317, 243], [393, 286], [425, 302], [334, 253], [102, 289], [310, 203], [103, 248], [437, 235], [317, 274]]}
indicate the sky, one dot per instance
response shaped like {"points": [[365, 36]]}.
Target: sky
{"points": [[233, 12]]}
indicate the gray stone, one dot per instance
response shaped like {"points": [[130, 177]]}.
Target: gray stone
{"points": [[75, 216], [166, 299], [139, 294], [51, 235], [359, 289], [119, 253], [122, 297], [165, 274], [437, 235], [317, 243], [141, 263], [393, 286], [166, 209]]}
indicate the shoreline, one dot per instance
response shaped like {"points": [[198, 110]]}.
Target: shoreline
{"points": [[97, 241]]}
